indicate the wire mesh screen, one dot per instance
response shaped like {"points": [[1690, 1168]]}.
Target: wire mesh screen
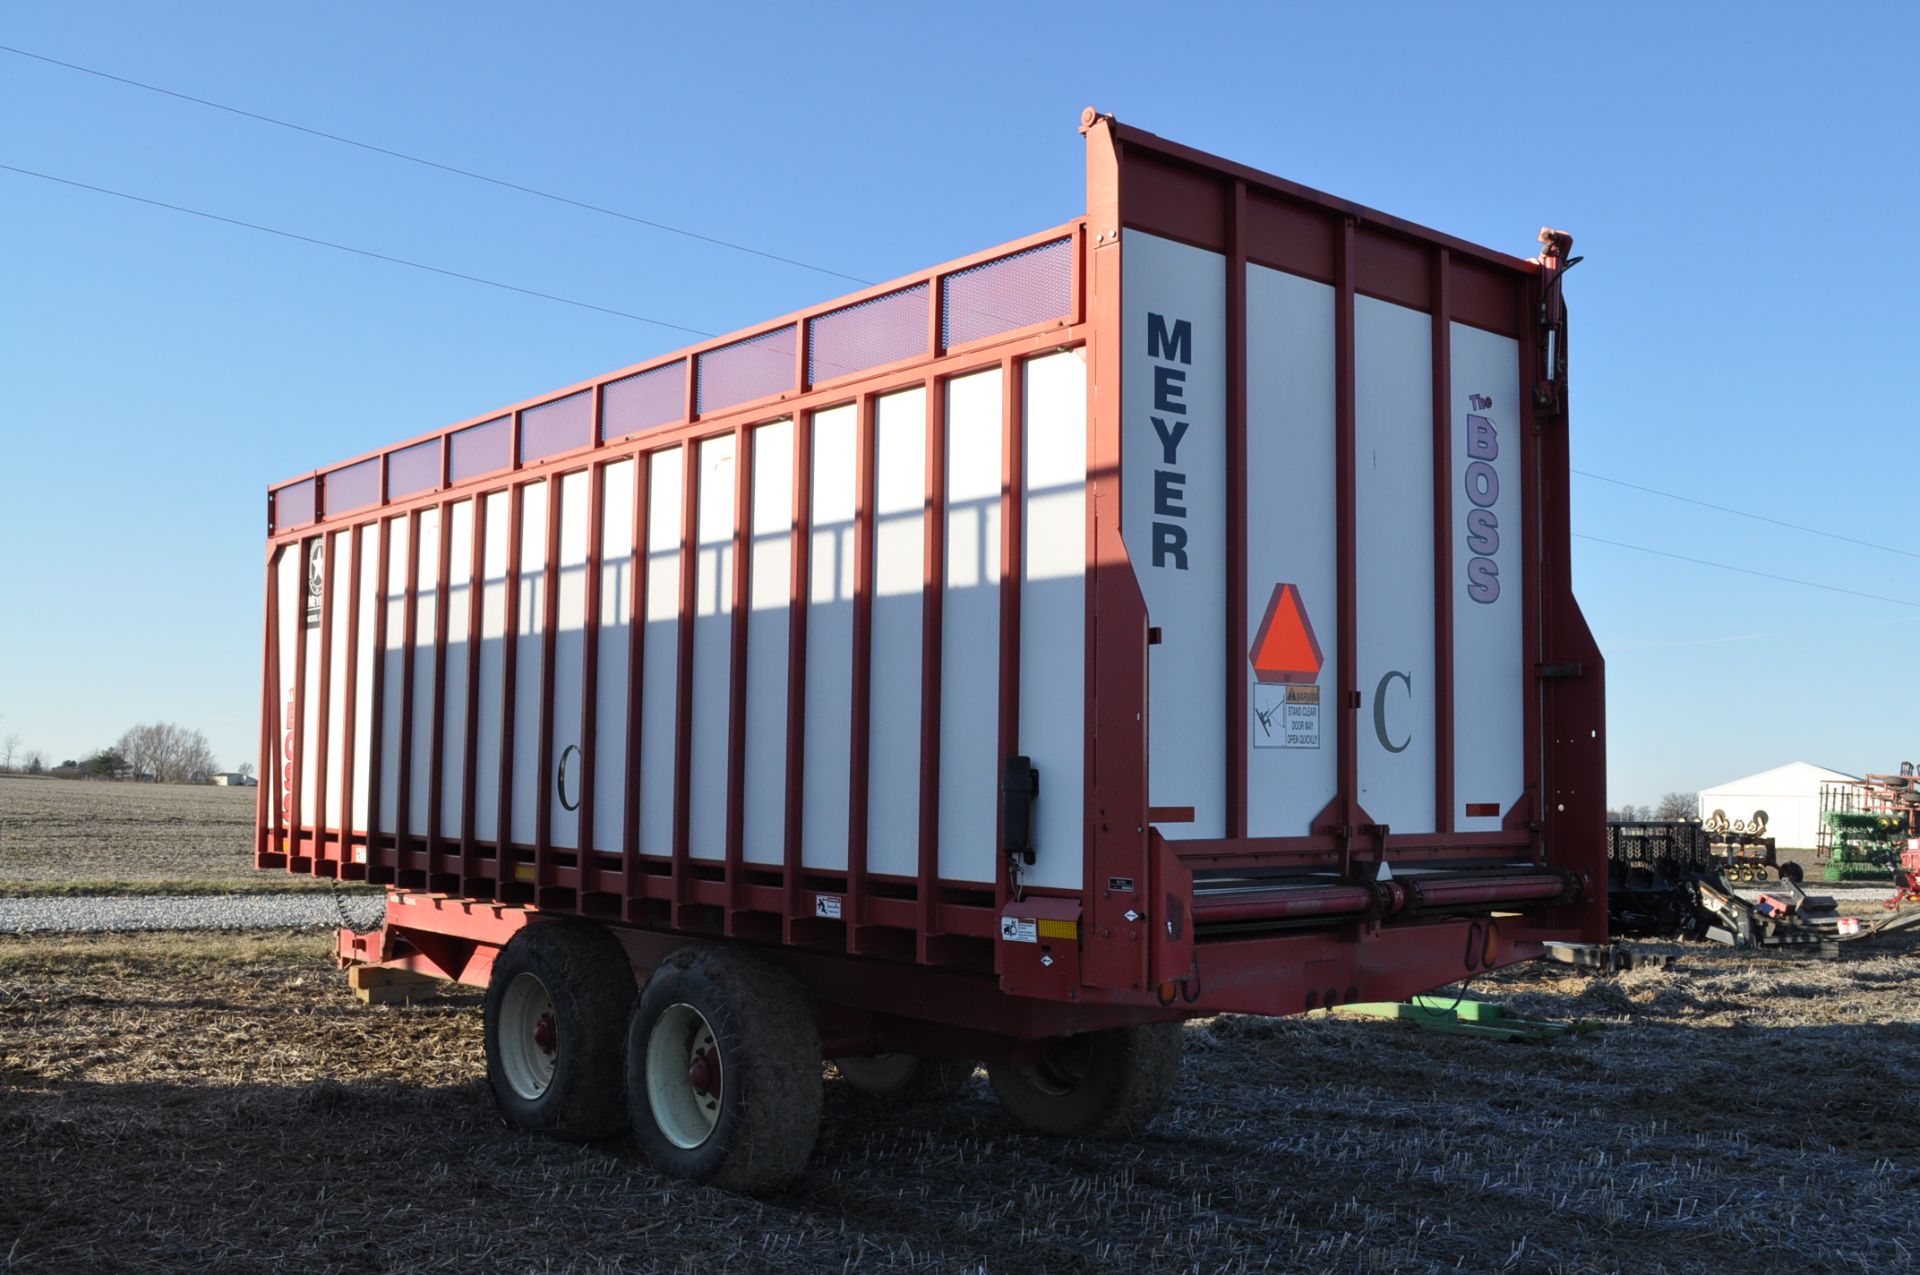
{"points": [[645, 400], [1027, 288], [294, 504], [412, 470], [559, 426], [481, 449], [745, 370], [883, 330], [353, 487]]}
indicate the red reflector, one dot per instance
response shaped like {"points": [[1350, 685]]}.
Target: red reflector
{"points": [[1483, 810]]}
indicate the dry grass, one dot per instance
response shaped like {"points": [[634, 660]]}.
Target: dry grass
{"points": [[56, 831], [173, 1101]]}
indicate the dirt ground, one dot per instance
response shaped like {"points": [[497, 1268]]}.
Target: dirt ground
{"points": [[78, 831], [180, 1101]]}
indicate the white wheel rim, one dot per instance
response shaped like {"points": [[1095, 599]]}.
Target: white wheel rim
{"points": [[529, 1040], [686, 1077]]}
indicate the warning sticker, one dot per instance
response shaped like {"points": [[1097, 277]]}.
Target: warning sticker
{"points": [[1019, 929], [827, 905], [1286, 716]]}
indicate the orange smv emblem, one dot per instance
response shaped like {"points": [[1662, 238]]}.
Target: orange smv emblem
{"points": [[1284, 647]]}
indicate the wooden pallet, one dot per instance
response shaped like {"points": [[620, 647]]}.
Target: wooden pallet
{"points": [[383, 985]]}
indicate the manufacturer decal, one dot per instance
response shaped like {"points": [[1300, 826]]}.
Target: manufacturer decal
{"points": [[1380, 709], [1483, 494], [1019, 929], [1120, 885], [1169, 345]]}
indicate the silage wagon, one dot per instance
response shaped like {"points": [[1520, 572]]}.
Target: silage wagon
{"points": [[1162, 615]]}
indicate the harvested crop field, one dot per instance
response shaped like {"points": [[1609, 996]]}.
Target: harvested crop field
{"points": [[186, 1100], [63, 832]]}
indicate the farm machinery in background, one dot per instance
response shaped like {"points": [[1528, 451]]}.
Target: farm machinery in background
{"points": [[1670, 878], [1870, 829]]}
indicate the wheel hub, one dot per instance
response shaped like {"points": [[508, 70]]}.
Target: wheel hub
{"points": [[545, 1035]]}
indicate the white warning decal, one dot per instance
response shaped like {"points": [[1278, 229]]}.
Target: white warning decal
{"points": [[1019, 929], [827, 905], [1286, 716]]}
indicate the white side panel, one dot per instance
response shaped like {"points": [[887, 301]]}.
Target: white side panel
{"points": [[899, 570], [770, 582], [613, 662], [1292, 538], [1393, 463], [569, 661], [970, 632], [310, 706], [393, 669], [290, 588], [1053, 613], [1489, 656], [829, 736], [489, 713], [712, 652], [660, 651], [368, 552], [425, 727], [1174, 501], [454, 720], [528, 672], [339, 589]]}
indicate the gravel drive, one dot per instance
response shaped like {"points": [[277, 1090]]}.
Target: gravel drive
{"points": [[202, 912]]}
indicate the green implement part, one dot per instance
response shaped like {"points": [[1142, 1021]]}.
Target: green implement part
{"points": [[1464, 1018]]}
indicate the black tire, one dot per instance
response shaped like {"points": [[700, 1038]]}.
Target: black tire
{"points": [[1106, 1084], [1793, 872], [907, 1078], [723, 1071], [587, 981]]}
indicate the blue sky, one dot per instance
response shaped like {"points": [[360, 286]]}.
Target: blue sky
{"points": [[1739, 178]]}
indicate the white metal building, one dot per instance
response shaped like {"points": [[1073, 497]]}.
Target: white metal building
{"points": [[1790, 795]]}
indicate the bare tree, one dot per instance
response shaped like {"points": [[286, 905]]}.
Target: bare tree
{"points": [[1678, 805], [8, 747], [245, 771], [36, 762], [167, 753]]}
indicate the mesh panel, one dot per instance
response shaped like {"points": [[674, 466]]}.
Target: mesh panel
{"points": [[645, 400], [1028, 287], [480, 449], [293, 505], [883, 330], [413, 469], [559, 426], [745, 370], [354, 487]]}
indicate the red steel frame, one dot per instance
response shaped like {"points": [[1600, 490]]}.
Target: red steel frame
{"points": [[1137, 951]]}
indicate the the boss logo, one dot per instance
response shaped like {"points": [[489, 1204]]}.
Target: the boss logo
{"points": [[1483, 493]]}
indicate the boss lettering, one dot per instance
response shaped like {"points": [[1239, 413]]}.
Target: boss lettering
{"points": [[1483, 493]]}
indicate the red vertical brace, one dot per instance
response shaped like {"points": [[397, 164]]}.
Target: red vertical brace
{"points": [[504, 864], [1443, 534], [743, 445], [376, 732], [1537, 542], [267, 827], [584, 840], [323, 701], [297, 741], [861, 737], [933, 578], [549, 622], [350, 700], [403, 807], [1236, 627], [470, 750], [1345, 514], [436, 779], [635, 887], [1013, 467], [799, 587], [683, 677]]}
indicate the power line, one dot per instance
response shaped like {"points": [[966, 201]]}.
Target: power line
{"points": [[1744, 513], [1746, 571], [358, 252], [432, 163]]}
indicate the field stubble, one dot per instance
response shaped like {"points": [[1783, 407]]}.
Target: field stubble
{"points": [[191, 1100]]}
